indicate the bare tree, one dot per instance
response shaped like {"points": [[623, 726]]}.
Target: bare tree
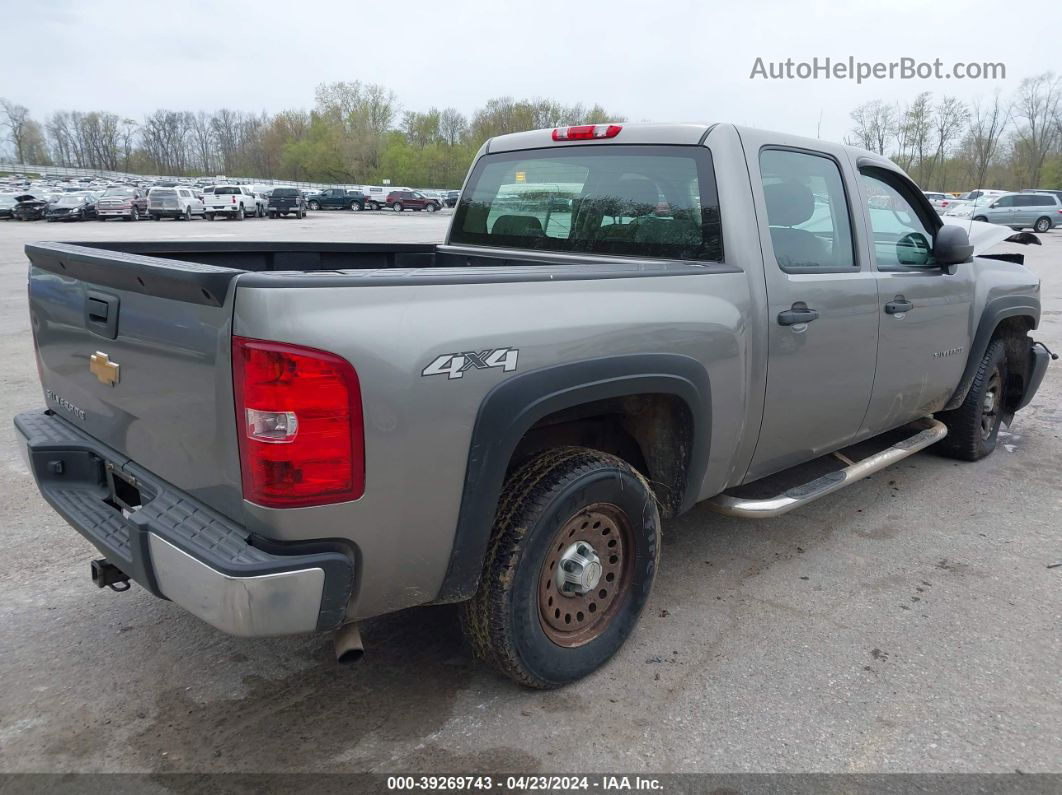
{"points": [[1038, 105], [917, 125], [950, 117], [988, 123], [862, 116], [875, 122], [203, 141], [15, 119], [452, 126]]}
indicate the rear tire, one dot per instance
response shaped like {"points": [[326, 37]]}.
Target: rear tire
{"points": [[982, 219], [355, 207], [1042, 225], [973, 427], [397, 207], [240, 214], [562, 501]]}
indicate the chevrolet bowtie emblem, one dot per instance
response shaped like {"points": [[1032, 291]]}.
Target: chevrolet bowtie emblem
{"points": [[103, 368]]}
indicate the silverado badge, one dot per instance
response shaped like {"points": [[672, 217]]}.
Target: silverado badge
{"points": [[103, 368]]}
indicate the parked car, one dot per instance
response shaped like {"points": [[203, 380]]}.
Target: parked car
{"points": [[180, 203], [982, 193], [125, 202], [284, 201], [71, 207], [31, 206], [304, 456], [940, 201], [411, 200], [1057, 193], [233, 201], [338, 199], [967, 208], [1041, 211], [452, 197], [7, 205]]}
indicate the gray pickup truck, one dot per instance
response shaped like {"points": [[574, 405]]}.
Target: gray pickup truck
{"points": [[624, 321]]}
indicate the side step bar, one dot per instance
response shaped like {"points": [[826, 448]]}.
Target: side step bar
{"points": [[933, 432]]}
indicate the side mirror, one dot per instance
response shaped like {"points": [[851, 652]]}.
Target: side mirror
{"points": [[951, 246]]}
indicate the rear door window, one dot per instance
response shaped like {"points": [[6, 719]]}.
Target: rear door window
{"points": [[632, 201], [807, 211]]}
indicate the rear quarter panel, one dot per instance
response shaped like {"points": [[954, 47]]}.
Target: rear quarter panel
{"points": [[418, 428]]}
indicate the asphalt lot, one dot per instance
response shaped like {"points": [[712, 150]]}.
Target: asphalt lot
{"points": [[908, 623]]}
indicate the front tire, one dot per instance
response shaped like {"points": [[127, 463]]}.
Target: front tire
{"points": [[315, 206], [1042, 225], [973, 427], [355, 207], [982, 219], [566, 508]]}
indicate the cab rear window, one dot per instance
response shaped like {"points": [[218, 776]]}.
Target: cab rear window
{"points": [[633, 201]]}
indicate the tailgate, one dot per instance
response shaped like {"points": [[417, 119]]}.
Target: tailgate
{"points": [[135, 351]]}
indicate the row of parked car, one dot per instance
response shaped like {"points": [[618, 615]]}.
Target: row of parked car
{"points": [[184, 202], [1035, 208]]}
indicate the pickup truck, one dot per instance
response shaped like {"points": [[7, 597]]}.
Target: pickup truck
{"points": [[292, 437], [233, 201], [122, 201], [285, 200], [338, 199]]}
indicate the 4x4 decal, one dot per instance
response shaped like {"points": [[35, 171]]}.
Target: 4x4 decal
{"points": [[454, 365]]}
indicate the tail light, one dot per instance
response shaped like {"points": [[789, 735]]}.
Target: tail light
{"points": [[234, 199], [299, 420], [585, 132]]}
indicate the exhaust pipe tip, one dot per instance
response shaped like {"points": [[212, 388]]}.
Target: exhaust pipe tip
{"points": [[349, 648]]}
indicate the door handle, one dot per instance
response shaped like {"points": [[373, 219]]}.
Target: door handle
{"points": [[798, 314], [898, 305]]}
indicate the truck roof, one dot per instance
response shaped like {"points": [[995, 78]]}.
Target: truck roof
{"points": [[664, 133]]}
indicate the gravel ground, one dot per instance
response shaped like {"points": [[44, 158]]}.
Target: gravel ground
{"points": [[908, 623]]}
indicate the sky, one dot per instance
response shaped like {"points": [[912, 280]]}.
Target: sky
{"points": [[649, 61]]}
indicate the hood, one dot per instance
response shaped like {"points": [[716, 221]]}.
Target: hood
{"points": [[983, 236]]}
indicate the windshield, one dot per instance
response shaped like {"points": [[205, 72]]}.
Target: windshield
{"points": [[70, 201], [643, 201], [7, 201], [119, 192]]}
